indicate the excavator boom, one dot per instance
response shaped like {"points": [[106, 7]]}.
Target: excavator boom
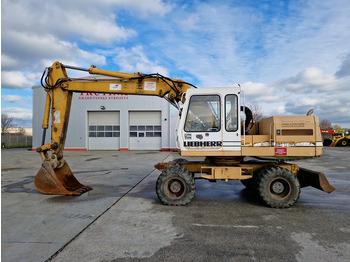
{"points": [[55, 175]]}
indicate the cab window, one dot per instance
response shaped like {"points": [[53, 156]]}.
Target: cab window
{"points": [[231, 113], [203, 114]]}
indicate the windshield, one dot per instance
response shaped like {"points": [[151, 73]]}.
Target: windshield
{"points": [[203, 114]]}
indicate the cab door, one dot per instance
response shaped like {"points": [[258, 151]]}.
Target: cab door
{"points": [[202, 127], [231, 123]]}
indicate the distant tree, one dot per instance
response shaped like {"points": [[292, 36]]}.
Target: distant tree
{"points": [[6, 123], [21, 131], [326, 124], [258, 113], [338, 129]]}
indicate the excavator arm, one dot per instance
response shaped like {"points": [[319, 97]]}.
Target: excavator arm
{"points": [[55, 176]]}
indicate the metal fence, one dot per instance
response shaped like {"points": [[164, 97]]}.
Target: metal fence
{"points": [[13, 141]]}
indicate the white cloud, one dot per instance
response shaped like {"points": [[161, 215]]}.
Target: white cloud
{"points": [[9, 62], [311, 79], [310, 33], [134, 60], [18, 80], [12, 98], [18, 113], [16, 99], [281, 110], [144, 8], [330, 106], [191, 22], [344, 68], [103, 32], [310, 89], [35, 34], [33, 53], [93, 21], [37, 48], [309, 101], [260, 92]]}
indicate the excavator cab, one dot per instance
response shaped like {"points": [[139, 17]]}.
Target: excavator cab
{"points": [[210, 122]]}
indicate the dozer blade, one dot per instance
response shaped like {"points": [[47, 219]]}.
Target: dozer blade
{"points": [[315, 179], [58, 181]]}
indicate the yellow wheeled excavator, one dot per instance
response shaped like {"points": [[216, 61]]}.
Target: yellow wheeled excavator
{"points": [[212, 124]]}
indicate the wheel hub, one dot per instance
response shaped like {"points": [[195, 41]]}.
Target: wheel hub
{"points": [[277, 187], [280, 188], [175, 187]]}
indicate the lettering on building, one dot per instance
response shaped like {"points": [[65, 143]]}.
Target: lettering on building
{"points": [[102, 96]]}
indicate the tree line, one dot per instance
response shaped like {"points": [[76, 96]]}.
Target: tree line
{"points": [[7, 125], [326, 124]]}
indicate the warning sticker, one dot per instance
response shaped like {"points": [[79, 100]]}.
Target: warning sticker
{"points": [[115, 87], [56, 117], [280, 151], [150, 86]]}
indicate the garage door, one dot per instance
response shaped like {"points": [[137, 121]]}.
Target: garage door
{"points": [[104, 131], [145, 130]]}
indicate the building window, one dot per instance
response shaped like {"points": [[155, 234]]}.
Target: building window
{"points": [[104, 131], [145, 131]]}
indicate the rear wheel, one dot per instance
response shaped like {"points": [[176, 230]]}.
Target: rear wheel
{"points": [[175, 186], [278, 187]]}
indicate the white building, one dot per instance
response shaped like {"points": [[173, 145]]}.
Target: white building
{"points": [[112, 122]]}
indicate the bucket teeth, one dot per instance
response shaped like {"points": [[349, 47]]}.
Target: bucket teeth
{"points": [[58, 181]]}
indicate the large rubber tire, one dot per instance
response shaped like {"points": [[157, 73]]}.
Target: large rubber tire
{"points": [[250, 184], [278, 187], [179, 160], [343, 142], [175, 186], [327, 142]]}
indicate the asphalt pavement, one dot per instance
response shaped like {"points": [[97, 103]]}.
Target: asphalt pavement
{"points": [[123, 220]]}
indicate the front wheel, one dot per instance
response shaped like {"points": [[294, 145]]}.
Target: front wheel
{"points": [[250, 183], [343, 142], [278, 187], [175, 186]]}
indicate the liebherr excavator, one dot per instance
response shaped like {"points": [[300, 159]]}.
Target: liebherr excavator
{"points": [[211, 124]]}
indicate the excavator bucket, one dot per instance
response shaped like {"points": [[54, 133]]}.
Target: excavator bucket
{"points": [[58, 181], [315, 179]]}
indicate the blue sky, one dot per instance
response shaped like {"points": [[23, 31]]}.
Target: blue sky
{"points": [[288, 56]]}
